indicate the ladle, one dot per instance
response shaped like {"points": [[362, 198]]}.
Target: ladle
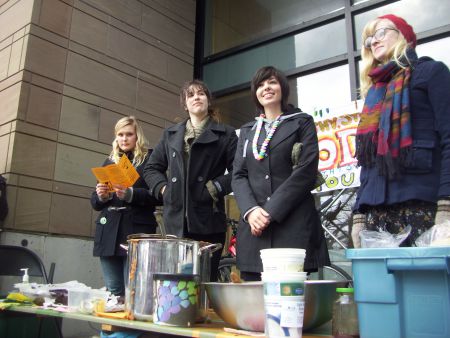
{"points": [[159, 219]]}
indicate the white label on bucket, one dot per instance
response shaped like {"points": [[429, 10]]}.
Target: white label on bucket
{"points": [[292, 313]]}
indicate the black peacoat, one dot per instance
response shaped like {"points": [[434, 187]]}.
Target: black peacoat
{"points": [[113, 227], [188, 200], [284, 192]]}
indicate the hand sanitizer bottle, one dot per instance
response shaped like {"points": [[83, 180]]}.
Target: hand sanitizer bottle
{"points": [[25, 277]]}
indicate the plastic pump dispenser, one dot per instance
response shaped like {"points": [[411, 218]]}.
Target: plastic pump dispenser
{"points": [[25, 277]]}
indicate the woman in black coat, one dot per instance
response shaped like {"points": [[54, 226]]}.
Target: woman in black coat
{"points": [[125, 211], [187, 171], [275, 169]]}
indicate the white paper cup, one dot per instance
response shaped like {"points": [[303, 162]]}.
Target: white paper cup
{"points": [[284, 316]]}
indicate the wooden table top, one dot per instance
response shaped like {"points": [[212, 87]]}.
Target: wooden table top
{"points": [[212, 329]]}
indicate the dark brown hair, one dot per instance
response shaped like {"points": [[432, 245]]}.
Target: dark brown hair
{"points": [[186, 88], [265, 73]]}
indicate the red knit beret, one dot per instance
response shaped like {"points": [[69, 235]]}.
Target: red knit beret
{"points": [[403, 27]]}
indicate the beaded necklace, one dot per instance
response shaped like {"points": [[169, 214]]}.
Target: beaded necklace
{"points": [[262, 152]]}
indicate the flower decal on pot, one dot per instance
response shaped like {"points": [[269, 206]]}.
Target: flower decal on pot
{"points": [[175, 299]]}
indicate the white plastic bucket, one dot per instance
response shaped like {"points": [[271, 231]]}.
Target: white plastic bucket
{"points": [[283, 260], [284, 316], [284, 284]]}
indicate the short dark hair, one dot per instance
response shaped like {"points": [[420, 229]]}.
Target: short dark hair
{"points": [[265, 73], [212, 112]]}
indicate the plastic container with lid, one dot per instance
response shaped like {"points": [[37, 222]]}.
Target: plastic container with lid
{"points": [[402, 292], [345, 315]]}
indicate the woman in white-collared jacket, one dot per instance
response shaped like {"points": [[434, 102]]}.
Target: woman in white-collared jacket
{"points": [[272, 184]]}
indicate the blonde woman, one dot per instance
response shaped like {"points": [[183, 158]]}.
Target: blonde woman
{"points": [[403, 139], [125, 211]]}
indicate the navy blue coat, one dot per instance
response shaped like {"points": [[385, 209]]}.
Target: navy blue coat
{"points": [[285, 193], [427, 178], [136, 218]]}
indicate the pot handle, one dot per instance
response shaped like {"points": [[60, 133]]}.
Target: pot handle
{"points": [[124, 246], [211, 247]]}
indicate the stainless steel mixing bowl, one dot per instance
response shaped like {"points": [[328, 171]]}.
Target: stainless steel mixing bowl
{"points": [[242, 305]]}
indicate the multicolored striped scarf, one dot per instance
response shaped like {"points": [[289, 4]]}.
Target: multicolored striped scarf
{"points": [[384, 135]]}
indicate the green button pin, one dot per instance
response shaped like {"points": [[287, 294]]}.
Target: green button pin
{"points": [[103, 220]]}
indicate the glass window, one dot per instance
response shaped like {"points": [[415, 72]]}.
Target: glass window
{"points": [[236, 109], [230, 23], [326, 89], [320, 43], [285, 54], [433, 14], [438, 50]]}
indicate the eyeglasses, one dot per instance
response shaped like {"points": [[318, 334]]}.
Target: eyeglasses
{"points": [[379, 35]]}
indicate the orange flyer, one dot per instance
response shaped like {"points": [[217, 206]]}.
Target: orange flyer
{"points": [[122, 173]]}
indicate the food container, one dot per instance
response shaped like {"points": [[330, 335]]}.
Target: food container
{"points": [[150, 254], [283, 260], [402, 292], [84, 299], [175, 299]]}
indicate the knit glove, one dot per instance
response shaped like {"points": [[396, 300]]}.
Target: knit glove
{"points": [[295, 158], [212, 191], [359, 223], [295, 155], [443, 211]]}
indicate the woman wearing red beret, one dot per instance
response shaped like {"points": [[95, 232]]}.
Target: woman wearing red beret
{"points": [[403, 139]]}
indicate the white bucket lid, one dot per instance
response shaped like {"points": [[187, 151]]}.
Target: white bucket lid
{"points": [[285, 252]]}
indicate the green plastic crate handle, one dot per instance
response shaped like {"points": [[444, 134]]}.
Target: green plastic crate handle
{"points": [[417, 263]]}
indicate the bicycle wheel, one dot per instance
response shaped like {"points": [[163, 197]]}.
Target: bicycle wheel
{"points": [[226, 265], [331, 272]]}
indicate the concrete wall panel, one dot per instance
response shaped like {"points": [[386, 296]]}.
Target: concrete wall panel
{"points": [[73, 165], [168, 30], [70, 215], [157, 101], [128, 11], [88, 31], [44, 107], [79, 118], [15, 60], [98, 79], [46, 58], [33, 210], [137, 53], [5, 55], [55, 16], [33, 156], [9, 102], [15, 16]]}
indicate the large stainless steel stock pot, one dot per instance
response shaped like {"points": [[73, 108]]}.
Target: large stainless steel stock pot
{"points": [[149, 254]]}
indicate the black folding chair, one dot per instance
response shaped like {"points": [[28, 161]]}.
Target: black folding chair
{"points": [[13, 258]]}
